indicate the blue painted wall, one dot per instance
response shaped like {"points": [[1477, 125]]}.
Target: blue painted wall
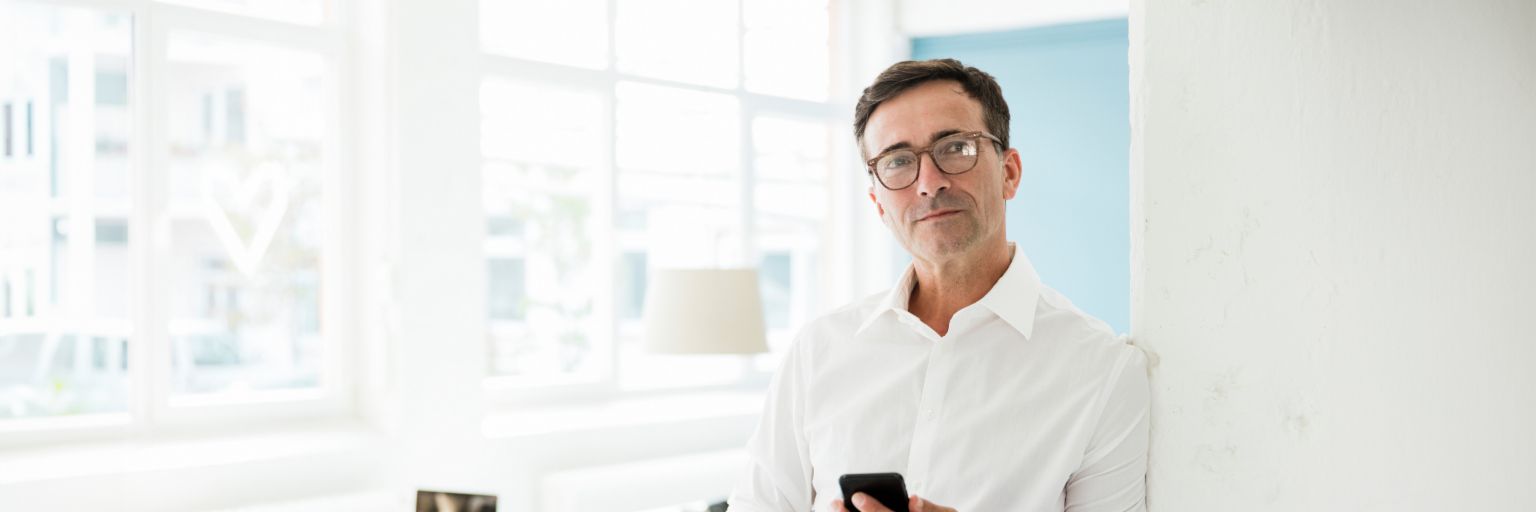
{"points": [[1067, 88]]}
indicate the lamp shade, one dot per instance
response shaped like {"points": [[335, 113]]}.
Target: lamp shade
{"points": [[704, 311]]}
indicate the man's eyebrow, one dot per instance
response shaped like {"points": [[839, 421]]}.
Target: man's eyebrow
{"points": [[892, 147], [936, 136], [944, 133]]}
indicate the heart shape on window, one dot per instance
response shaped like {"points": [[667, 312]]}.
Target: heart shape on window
{"points": [[227, 199]]}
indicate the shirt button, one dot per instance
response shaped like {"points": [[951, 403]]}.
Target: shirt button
{"points": [[928, 412]]}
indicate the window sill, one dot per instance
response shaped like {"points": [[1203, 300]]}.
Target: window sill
{"points": [[621, 413], [77, 460]]}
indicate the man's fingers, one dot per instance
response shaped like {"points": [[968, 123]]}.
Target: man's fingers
{"points": [[837, 505], [867, 503], [918, 504]]}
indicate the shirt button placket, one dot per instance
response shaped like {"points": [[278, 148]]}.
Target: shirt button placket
{"points": [[926, 428]]}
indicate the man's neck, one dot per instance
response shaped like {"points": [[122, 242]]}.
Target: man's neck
{"points": [[945, 287]]}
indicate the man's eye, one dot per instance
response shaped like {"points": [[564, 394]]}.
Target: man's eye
{"points": [[956, 147], [897, 161]]}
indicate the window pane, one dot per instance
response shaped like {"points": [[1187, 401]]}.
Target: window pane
{"points": [[539, 188], [792, 168], [775, 279], [786, 48], [66, 287], [506, 290], [536, 123], [667, 129], [787, 149], [570, 32], [247, 140], [691, 41], [633, 277], [295, 11]]}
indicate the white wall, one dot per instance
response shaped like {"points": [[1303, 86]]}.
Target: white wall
{"points": [[944, 17], [1335, 253]]}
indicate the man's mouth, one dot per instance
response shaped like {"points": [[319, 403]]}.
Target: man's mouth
{"points": [[938, 214]]}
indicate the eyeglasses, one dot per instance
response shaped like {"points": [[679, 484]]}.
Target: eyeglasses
{"points": [[897, 169]]}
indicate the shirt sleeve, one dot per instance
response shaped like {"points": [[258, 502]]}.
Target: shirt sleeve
{"points": [[1113, 476], [778, 477]]}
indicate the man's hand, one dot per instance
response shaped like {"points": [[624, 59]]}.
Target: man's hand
{"points": [[868, 504]]}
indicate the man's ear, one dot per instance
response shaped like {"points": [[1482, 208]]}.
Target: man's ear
{"points": [[1013, 171], [878, 209]]}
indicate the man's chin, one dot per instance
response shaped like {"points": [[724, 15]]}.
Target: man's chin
{"points": [[942, 249]]}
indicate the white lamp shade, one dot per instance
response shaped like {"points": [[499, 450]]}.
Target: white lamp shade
{"points": [[704, 311]]}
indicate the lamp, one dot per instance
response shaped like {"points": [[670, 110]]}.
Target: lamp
{"points": [[704, 311]]}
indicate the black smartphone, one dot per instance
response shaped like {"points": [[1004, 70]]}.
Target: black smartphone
{"points": [[887, 488]]}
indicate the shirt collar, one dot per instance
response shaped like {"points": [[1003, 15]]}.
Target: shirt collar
{"points": [[1013, 298], [894, 300], [1016, 294]]}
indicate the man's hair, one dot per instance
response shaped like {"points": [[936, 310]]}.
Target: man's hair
{"points": [[904, 75]]}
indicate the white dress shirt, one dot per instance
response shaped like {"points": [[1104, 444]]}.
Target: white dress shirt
{"points": [[1025, 404]]}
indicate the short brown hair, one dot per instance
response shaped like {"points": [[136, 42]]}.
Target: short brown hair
{"points": [[904, 75]]}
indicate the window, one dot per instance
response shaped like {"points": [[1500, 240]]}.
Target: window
{"points": [[66, 328], [245, 132], [614, 143], [158, 264]]}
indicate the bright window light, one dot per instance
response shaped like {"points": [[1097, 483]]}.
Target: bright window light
{"points": [[532, 122], [246, 129], [786, 48], [790, 149], [66, 287], [792, 166], [309, 12], [543, 148], [674, 130], [568, 32], [679, 197], [693, 41], [684, 165]]}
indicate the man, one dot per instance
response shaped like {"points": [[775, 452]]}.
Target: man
{"points": [[985, 389]]}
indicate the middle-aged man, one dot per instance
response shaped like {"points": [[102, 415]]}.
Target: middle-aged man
{"points": [[985, 389]]}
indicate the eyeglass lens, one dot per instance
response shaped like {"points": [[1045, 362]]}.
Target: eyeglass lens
{"points": [[899, 169]]}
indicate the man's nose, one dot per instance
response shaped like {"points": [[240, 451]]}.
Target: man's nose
{"points": [[930, 180]]}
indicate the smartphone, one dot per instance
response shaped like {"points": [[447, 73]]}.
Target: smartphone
{"points": [[887, 488]]}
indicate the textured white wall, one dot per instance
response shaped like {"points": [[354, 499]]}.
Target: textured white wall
{"points": [[1334, 252]]}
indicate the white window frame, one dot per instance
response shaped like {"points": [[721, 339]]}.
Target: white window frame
{"points": [[151, 406], [506, 392]]}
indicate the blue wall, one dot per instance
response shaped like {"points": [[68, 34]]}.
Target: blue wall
{"points": [[1067, 88]]}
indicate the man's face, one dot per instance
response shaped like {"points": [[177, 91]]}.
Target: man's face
{"points": [[941, 216]]}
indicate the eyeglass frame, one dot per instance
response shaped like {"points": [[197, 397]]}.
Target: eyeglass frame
{"points": [[928, 150]]}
